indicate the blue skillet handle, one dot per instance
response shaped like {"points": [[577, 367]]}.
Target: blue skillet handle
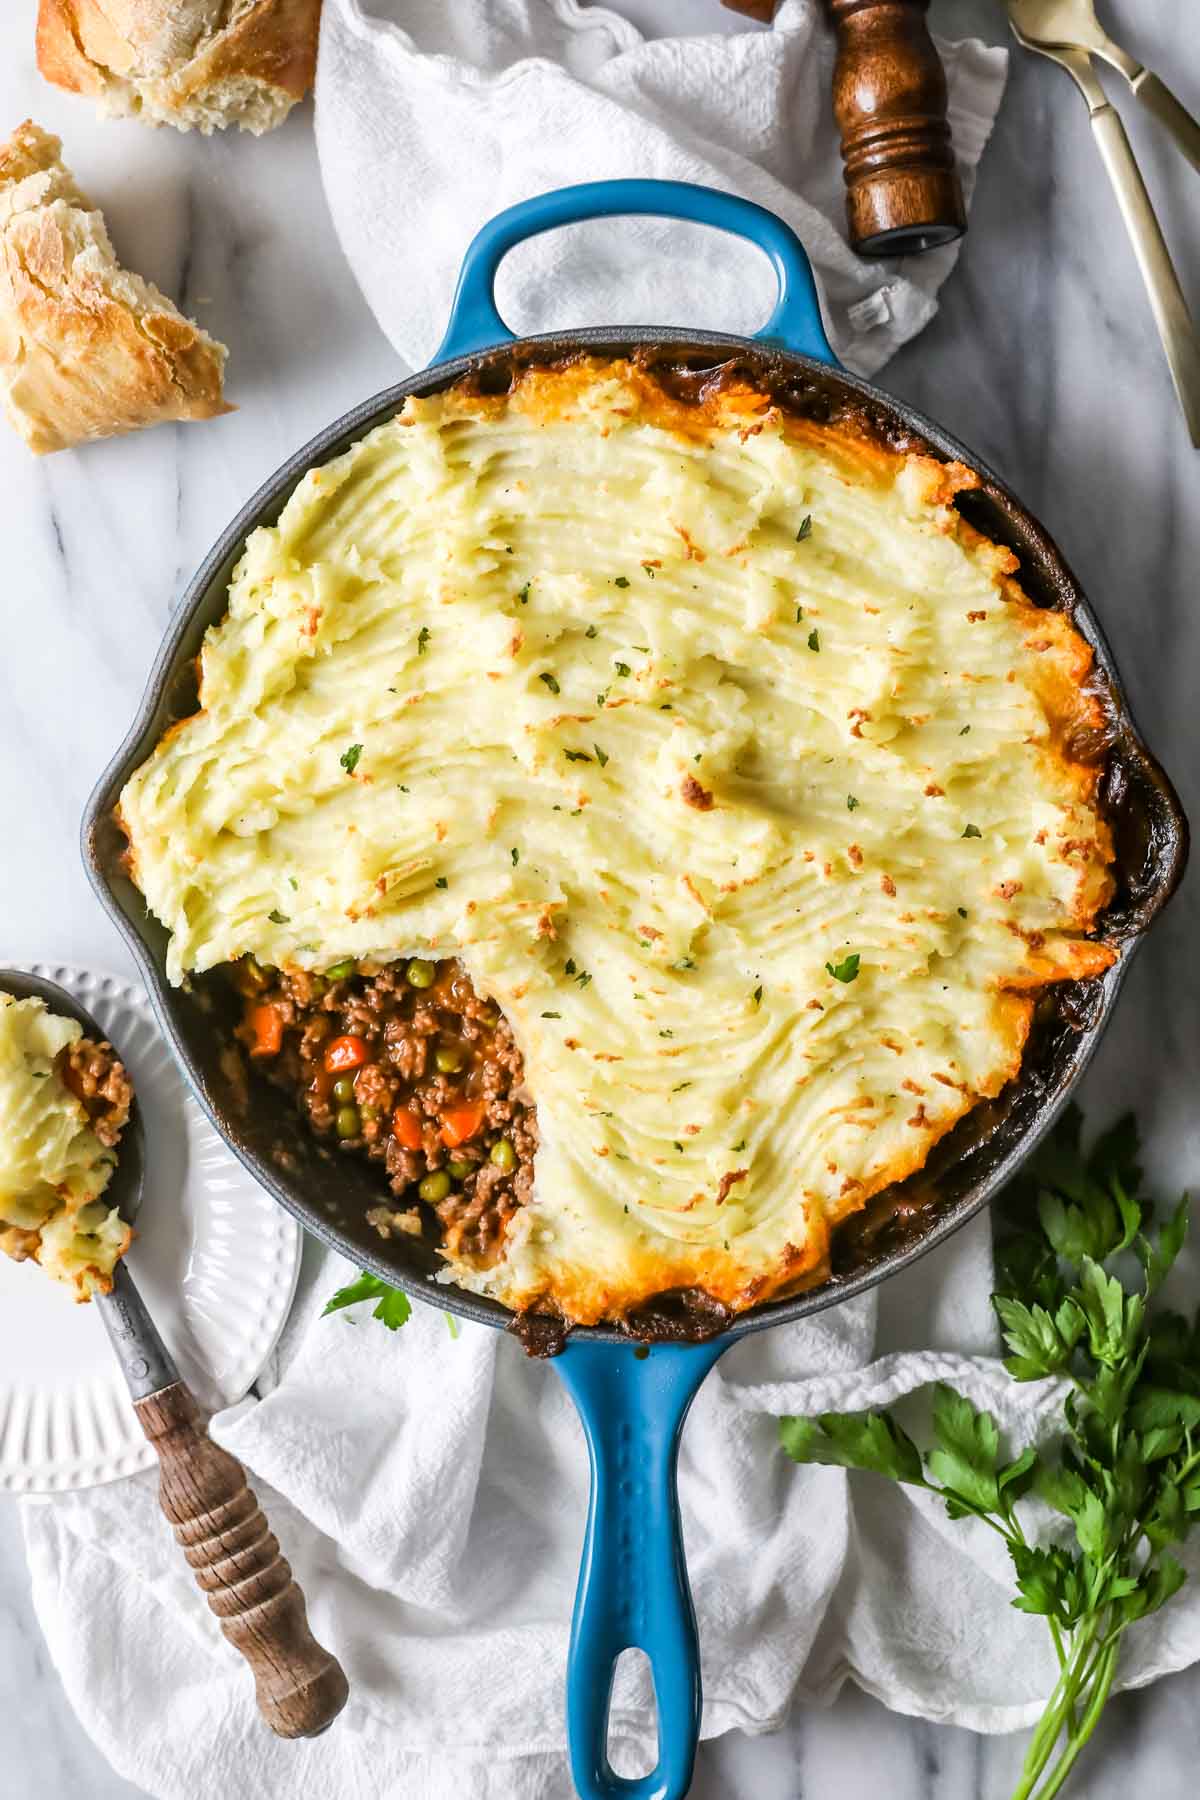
{"points": [[795, 323], [633, 1587]]}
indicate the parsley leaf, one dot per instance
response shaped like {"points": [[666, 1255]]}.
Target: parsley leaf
{"points": [[621, 581], [590, 632], [441, 882], [1124, 1472], [846, 970], [278, 918], [394, 1306], [549, 680], [814, 640], [805, 530], [622, 668], [423, 637], [851, 803], [601, 755], [349, 758], [972, 831]]}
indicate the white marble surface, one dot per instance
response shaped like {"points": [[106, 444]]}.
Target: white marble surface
{"points": [[1043, 358]]}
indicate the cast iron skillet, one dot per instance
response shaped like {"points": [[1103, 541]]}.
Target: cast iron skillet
{"points": [[633, 1587]]}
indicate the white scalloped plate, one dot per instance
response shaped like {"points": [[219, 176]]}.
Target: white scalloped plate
{"points": [[215, 1259]]}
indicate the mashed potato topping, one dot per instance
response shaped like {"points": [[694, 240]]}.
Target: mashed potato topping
{"points": [[729, 759], [53, 1165]]}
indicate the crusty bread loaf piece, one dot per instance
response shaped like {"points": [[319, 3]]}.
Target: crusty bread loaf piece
{"points": [[87, 350], [188, 63]]}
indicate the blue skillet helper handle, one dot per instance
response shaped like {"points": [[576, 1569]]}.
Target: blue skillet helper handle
{"points": [[633, 1586], [795, 323]]}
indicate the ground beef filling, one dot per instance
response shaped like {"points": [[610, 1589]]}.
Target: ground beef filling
{"points": [[96, 1077], [405, 1064]]}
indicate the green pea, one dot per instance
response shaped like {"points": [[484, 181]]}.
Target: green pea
{"points": [[459, 1170], [343, 1090], [503, 1155], [420, 974], [340, 971], [435, 1187], [347, 1122], [450, 1059]]}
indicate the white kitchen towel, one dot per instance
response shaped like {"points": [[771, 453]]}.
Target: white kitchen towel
{"points": [[432, 115], [430, 1493]]}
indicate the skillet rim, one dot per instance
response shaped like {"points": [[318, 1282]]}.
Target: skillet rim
{"points": [[204, 597]]}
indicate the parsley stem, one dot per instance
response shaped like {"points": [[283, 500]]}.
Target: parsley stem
{"points": [[1102, 1680]]}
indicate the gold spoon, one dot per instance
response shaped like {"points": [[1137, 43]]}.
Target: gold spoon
{"points": [[1167, 301], [1073, 25]]}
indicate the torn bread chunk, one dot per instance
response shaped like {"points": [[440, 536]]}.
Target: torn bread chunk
{"points": [[195, 64], [87, 349]]}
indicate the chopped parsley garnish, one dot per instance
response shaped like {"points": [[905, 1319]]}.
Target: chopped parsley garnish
{"points": [[964, 731], [758, 995], [846, 970], [677, 1145], [805, 528], [679, 1086], [621, 581], [402, 787], [601, 755], [649, 568], [685, 962], [814, 640], [972, 831], [739, 1146], [441, 882], [582, 979], [799, 614], [644, 648], [294, 882], [570, 966], [349, 758], [551, 1015], [851, 803], [423, 637], [622, 668], [590, 632], [549, 680], [278, 918], [577, 756], [516, 855], [523, 594], [666, 1034], [962, 912]]}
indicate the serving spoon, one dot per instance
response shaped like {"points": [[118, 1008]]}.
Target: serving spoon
{"points": [[203, 1490]]}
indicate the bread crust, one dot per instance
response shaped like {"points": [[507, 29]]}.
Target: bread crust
{"points": [[194, 64], [87, 349]]}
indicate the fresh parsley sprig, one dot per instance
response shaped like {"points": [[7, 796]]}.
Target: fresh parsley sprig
{"points": [[1125, 1475], [394, 1305]]}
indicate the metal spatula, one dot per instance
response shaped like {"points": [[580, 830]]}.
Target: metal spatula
{"points": [[203, 1490]]}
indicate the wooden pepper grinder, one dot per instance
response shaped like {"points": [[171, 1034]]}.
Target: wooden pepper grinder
{"points": [[889, 98]]}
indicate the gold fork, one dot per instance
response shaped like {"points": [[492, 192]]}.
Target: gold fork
{"points": [[1167, 301], [1072, 24]]}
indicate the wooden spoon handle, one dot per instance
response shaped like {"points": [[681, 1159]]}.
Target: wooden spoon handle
{"points": [[213, 1512]]}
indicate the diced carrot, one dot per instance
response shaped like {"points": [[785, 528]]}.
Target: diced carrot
{"points": [[406, 1128], [346, 1053], [266, 1022], [461, 1123]]}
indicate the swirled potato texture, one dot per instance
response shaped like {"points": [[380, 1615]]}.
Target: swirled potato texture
{"points": [[730, 760]]}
